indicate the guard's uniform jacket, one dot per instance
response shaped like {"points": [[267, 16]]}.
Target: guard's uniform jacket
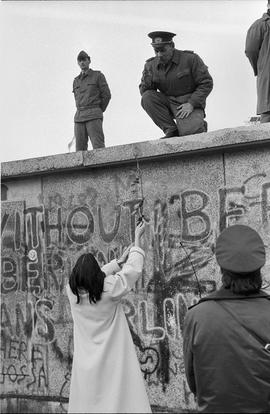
{"points": [[92, 95], [258, 53], [227, 369], [186, 75]]}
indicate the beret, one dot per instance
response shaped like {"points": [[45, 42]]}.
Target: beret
{"points": [[240, 249]]}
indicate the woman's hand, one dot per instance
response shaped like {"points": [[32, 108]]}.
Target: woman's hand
{"points": [[139, 231], [123, 258]]}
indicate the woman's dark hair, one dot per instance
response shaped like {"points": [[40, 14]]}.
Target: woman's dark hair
{"points": [[87, 276], [244, 284]]}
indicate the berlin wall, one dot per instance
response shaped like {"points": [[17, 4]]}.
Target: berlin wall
{"points": [[56, 208]]}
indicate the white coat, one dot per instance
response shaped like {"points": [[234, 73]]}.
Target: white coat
{"points": [[106, 375]]}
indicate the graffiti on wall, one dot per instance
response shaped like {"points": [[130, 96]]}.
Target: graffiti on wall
{"points": [[41, 243]]}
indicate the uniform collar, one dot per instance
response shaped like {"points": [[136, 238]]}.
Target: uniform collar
{"points": [[226, 294], [266, 16], [175, 59], [223, 293], [176, 56], [81, 75]]}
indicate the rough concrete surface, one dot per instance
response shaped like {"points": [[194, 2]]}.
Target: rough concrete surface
{"points": [[51, 218], [212, 141]]}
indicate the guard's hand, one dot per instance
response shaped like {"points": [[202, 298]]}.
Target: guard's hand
{"points": [[184, 110]]}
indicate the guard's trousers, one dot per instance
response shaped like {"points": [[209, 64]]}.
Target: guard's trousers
{"points": [[162, 109], [265, 117], [92, 129]]}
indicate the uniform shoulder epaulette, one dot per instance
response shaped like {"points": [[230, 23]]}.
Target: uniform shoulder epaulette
{"points": [[151, 58], [188, 51]]}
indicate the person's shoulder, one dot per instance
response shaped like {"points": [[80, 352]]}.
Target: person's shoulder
{"points": [[187, 55], [260, 22], [76, 78], [93, 72], [109, 282], [206, 301], [198, 311], [114, 285], [193, 58], [198, 306], [190, 54], [184, 52], [201, 312], [72, 298], [188, 51], [150, 61], [97, 74]]}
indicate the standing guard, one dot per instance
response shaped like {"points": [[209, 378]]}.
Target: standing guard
{"points": [[92, 96], [258, 52]]}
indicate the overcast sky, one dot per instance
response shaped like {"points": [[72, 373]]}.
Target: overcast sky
{"points": [[40, 41]]}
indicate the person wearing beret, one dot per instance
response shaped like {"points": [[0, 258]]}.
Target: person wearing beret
{"points": [[174, 87], [226, 337], [92, 96], [258, 52]]}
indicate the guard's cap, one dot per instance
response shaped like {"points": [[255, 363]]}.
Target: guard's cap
{"points": [[161, 38], [240, 249], [82, 55]]}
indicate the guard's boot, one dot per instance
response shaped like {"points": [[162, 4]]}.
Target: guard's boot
{"points": [[171, 133]]}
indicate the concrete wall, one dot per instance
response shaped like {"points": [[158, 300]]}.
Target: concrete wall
{"points": [[59, 207]]}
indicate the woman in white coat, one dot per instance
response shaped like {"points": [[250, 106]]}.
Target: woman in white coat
{"points": [[106, 376]]}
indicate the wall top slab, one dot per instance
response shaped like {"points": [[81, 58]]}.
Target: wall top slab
{"points": [[227, 139]]}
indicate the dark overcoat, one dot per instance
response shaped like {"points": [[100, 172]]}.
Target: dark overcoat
{"points": [[258, 53], [226, 368]]}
